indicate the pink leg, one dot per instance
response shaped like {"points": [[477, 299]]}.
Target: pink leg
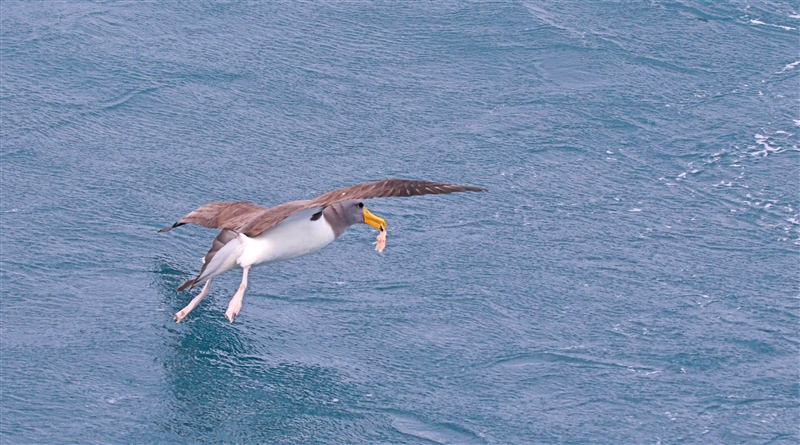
{"points": [[236, 302], [195, 301]]}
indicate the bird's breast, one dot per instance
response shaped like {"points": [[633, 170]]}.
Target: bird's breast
{"points": [[294, 237]]}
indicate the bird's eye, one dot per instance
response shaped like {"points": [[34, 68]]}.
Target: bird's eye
{"points": [[360, 205]]}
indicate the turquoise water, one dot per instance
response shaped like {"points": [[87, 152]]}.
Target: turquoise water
{"points": [[631, 277]]}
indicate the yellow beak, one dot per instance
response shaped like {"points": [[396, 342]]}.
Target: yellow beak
{"points": [[374, 221]]}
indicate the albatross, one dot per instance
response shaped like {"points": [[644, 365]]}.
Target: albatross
{"points": [[251, 235]]}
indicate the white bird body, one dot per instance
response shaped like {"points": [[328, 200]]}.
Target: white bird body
{"points": [[296, 236]]}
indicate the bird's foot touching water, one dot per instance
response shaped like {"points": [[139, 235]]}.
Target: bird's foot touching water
{"points": [[195, 301], [236, 304], [233, 310]]}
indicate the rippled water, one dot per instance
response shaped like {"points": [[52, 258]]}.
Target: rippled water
{"points": [[632, 276]]}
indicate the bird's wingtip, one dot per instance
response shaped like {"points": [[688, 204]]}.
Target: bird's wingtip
{"points": [[168, 228]]}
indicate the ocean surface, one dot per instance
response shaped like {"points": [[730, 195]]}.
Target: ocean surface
{"points": [[632, 276]]}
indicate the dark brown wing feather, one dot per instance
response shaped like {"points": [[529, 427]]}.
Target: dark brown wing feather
{"points": [[378, 189], [391, 187], [220, 215], [272, 216]]}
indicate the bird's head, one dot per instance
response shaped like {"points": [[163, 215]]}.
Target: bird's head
{"points": [[352, 211]]}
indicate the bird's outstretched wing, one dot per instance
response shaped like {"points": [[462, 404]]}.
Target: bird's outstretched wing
{"points": [[220, 215], [390, 187], [378, 189], [252, 219]]}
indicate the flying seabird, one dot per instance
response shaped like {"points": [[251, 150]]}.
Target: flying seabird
{"points": [[251, 234]]}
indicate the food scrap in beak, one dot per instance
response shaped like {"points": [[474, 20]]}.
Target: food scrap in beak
{"points": [[380, 241], [378, 223]]}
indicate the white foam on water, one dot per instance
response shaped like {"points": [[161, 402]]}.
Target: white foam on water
{"points": [[790, 66], [759, 22], [763, 141]]}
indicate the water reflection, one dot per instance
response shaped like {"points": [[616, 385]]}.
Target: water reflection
{"points": [[227, 384]]}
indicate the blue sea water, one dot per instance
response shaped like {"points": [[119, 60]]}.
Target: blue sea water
{"points": [[632, 276]]}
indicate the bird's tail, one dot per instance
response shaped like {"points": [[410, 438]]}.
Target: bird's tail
{"points": [[188, 284], [219, 259]]}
